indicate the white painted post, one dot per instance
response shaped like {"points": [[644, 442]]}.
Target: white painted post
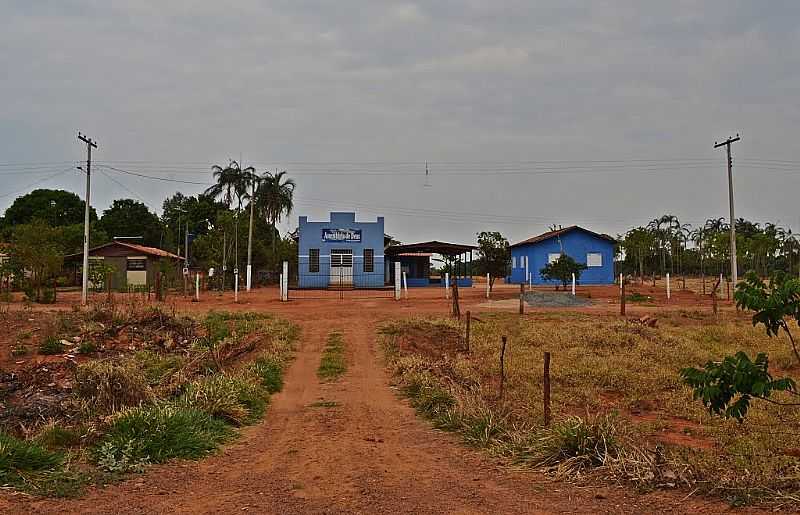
{"points": [[285, 274], [487, 286], [447, 285], [197, 287], [405, 285], [280, 285], [249, 276], [620, 282], [397, 277], [668, 291], [236, 285], [573, 284], [530, 280]]}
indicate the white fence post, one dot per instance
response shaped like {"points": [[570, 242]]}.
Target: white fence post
{"points": [[487, 286], [280, 285], [620, 282], [285, 282], [573, 284], [447, 285], [668, 290], [405, 285], [197, 287], [236, 285], [397, 278], [530, 280]]}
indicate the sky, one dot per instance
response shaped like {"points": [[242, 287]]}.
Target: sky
{"points": [[528, 114]]}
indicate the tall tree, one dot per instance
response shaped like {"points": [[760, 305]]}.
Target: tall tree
{"points": [[274, 199], [131, 218], [232, 182], [53, 207]]}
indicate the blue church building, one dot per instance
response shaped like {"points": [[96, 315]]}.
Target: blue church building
{"points": [[341, 252], [584, 246]]}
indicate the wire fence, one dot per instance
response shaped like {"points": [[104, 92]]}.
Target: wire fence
{"points": [[339, 285]]}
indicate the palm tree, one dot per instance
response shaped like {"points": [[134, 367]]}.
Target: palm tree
{"points": [[232, 181], [274, 199]]}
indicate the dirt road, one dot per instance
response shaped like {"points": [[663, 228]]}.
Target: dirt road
{"points": [[368, 453]]}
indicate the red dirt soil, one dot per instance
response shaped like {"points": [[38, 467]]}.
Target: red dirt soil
{"points": [[367, 454]]}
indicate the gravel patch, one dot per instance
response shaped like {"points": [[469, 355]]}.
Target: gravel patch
{"points": [[554, 299]]}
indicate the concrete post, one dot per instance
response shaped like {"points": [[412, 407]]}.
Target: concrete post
{"points": [[197, 287], [285, 292], [236, 285], [405, 285], [573, 285], [487, 286], [249, 276], [668, 290], [397, 277], [447, 285]]}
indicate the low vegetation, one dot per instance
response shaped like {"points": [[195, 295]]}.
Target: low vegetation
{"points": [[333, 363], [156, 387], [621, 412]]}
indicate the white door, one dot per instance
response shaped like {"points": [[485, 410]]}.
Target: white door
{"points": [[341, 267]]}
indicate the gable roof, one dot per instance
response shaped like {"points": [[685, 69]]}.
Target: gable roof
{"points": [[559, 232], [151, 251]]}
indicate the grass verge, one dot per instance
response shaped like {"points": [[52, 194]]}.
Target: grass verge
{"points": [[333, 363]]}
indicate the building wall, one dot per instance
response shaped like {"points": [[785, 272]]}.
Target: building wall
{"points": [[311, 237], [577, 244]]}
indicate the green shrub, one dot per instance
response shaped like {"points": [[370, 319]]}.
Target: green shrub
{"points": [[121, 460], [87, 347], [157, 433], [232, 398], [23, 464], [578, 443], [270, 373], [109, 386], [20, 349], [51, 345]]}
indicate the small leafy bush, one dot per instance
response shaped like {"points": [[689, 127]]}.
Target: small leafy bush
{"points": [[157, 433], [51, 345], [120, 460], [87, 347], [735, 377]]}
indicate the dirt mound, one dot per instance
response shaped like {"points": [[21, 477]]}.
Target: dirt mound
{"points": [[430, 340], [554, 299]]}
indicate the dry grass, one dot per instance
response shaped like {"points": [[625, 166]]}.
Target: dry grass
{"points": [[601, 366]]}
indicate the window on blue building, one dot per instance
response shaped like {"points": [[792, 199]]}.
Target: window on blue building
{"points": [[594, 259], [313, 261], [369, 260]]}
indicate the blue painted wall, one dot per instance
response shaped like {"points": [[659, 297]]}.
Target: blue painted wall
{"points": [[577, 244], [310, 237]]}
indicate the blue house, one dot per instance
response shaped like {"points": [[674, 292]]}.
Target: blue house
{"points": [[584, 246], [340, 252]]}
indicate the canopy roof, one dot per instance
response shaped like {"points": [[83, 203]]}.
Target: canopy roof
{"points": [[433, 247]]}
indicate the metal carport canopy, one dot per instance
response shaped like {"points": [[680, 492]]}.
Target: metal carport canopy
{"points": [[434, 247]]}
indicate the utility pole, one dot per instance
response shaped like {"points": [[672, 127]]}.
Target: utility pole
{"points": [[250, 237], [85, 280], [727, 145], [186, 244]]}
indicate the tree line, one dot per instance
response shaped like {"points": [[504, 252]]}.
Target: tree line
{"points": [[665, 245], [218, 222]]}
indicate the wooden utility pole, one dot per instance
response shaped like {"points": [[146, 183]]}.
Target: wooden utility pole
{"points": [[522, 298], [502, 367], [727, 145], [466, 336], [622, 299], [85, 280]]}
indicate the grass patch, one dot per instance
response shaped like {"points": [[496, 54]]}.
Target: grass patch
{"points": [[157, 433], [156, 367], [51, 345], [323, 404], [108, 386], [238, 400], [333, 363], [87, 347], [600, 364], [53, 436], [638, 297], [29, 467], [269, 372]]}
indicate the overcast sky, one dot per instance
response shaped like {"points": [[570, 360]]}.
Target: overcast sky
{"points": [[600, 113]]}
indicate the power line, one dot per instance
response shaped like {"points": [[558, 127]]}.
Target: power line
{"points": [[29, 186]]}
